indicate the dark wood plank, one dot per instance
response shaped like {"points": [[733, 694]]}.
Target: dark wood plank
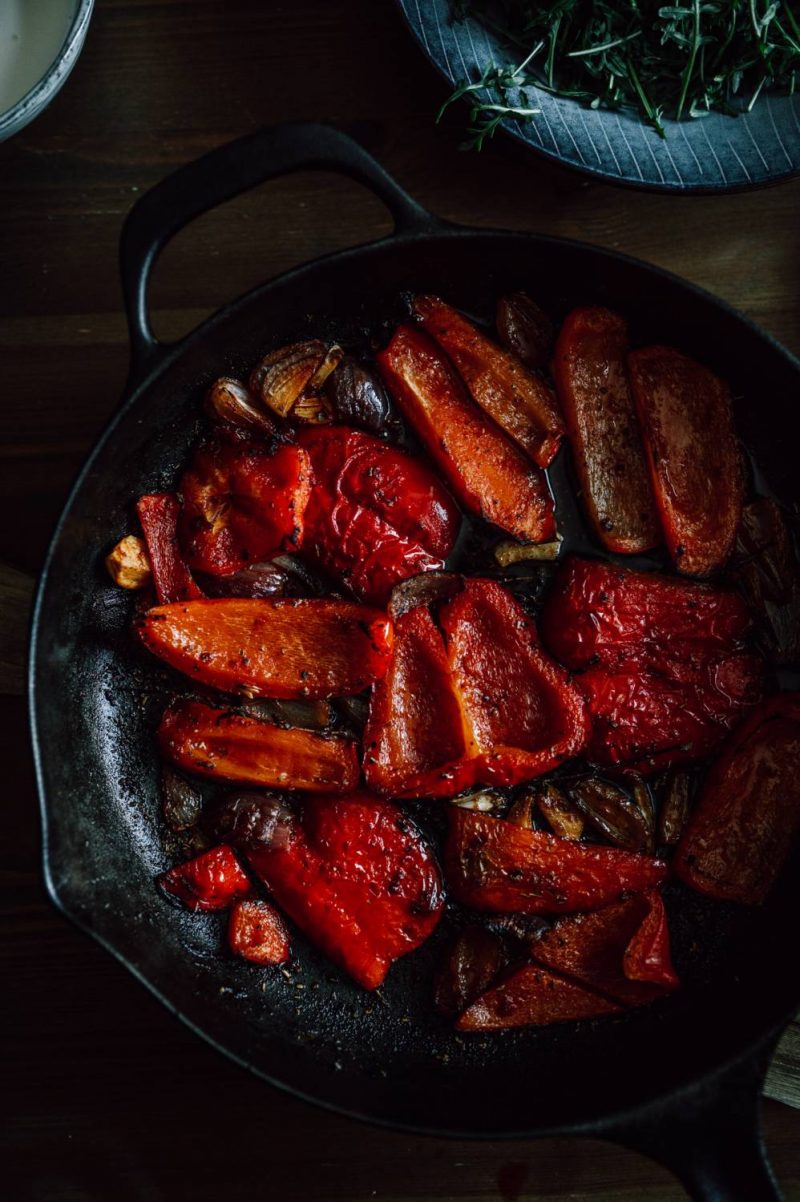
{"points": [[111, 1099]]}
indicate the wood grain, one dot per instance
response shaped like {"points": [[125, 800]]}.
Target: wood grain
{"points": [[110, 1099]]}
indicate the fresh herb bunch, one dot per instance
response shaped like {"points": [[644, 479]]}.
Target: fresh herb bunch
{"points": [[677, 60]]}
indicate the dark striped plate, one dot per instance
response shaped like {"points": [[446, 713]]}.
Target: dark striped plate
{"points": [[710, 154]]}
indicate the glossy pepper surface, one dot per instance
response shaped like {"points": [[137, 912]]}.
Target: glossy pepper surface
{"points": [[272, 648], [532, 996], [229, 746], [513, 396], [747, 818], [375, 515], [693, 456], [589, 366], [491, 864], [357, 877], [258, 933], [486, 470], [243, 502], [211, 881]]}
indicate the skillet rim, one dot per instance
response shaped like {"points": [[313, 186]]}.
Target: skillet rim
{"points": [[164, 356]]}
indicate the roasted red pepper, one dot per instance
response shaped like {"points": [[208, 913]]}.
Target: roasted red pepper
{"points": [[158, 515], [272, 648], [491, 864], [228, 746], [668, 671], [358, 878], [533, 997], [243, 501], [621, 951], [211, 881], [592, 382], [487, 472], [695, 466], [515, 397], [415, 740], [257, 932], [747, 819], [479, 702], [375, 516]]}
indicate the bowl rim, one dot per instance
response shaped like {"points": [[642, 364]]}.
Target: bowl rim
{"points": [[31, 103]]}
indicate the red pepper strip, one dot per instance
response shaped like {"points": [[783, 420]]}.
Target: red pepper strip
{"points": [[495, 865], [375, 516], [596, 612], [515, 397], [695, 465], [272, 648], [648, 721], [227, 746], [621, 951], [592, 382], [257, 932], [647, 957], [358, 879], [415, 741], [533, 996], [748, 816], [487, 472], [524, 714], [158, 515], [211, 881], [243, 502]]}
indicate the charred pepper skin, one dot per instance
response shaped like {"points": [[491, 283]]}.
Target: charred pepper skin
{"points": [[285, 648], [747, 818], [589, 366], [358, 879], [487, 472], [375, 516]]}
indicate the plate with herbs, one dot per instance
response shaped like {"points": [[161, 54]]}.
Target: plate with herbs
{"points": [[694, 96]]}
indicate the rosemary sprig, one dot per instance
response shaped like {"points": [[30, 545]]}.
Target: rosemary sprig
{"points": [[680, 59]]}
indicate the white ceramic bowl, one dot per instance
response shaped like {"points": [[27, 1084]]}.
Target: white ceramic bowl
{"points": [[42, 92]]}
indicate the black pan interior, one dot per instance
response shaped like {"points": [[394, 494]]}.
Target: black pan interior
{"points": [[96, 700]]}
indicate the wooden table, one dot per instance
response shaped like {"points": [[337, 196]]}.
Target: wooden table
{"points": [[110, 1099]]}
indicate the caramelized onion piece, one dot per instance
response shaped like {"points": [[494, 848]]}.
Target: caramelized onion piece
{"points": [[360, 399], [471, 963], [312, 409], [303, 713], [128, 564], [257, 580], [674, 806], [303, 580], [510, 551], [526, 929], [425, 589], [613, 813], [228, 400], [283, 376], [525, 329], [557, 810], [181, 802], [355, 711], [645, 803], [483, 801], [249, 819]]}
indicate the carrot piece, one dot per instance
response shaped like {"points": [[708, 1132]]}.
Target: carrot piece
{"points": [[533, 997], [228, 746], [515, 397], [158, 514], [693, 457], [747, 819], [491, 864], [487, 472], [592, 382], [211, 881], [272, 648], [258, 933]]}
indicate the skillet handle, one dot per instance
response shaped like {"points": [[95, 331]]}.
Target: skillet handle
{"points": [[710, 1136], [226, 172]]}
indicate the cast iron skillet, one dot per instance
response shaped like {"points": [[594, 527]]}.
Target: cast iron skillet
{"points": [[679, 1080]]}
